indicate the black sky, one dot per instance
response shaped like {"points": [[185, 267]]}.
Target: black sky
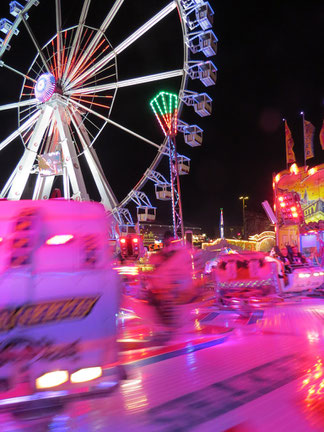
{"points": [[270, 66]]}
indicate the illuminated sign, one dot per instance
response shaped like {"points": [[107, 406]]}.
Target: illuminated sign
{"points": [[47, 312], [309, 184], [316, 207]]}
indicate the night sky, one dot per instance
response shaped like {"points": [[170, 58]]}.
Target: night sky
{"points": [[270, 67]]}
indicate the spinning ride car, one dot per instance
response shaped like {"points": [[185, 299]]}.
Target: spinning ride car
{"points": [[247, 278], [254, 278], [59, 295], [304, 277]]}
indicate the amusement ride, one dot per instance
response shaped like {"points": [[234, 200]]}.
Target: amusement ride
{"points": [[67, 98]]}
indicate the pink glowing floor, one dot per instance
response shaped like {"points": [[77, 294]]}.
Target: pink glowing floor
{"points": [[258, 372]]}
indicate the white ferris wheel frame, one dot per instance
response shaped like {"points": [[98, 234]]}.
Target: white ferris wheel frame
{"points": [[38, 120]]}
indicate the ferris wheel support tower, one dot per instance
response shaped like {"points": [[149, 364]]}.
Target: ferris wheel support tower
{"points": [[165, 108]]}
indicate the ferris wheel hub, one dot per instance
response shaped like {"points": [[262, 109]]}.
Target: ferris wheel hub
{"points": [[45, 87]]}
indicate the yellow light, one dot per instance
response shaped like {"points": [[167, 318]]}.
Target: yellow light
{"points": [[197, 325], [295, 214], [86, 374], [280, 199], [127, 270], [294, 169], [277, 178], [312, 171], [52, 379]]}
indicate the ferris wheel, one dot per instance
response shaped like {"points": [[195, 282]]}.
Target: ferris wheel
{"points": [[69, 89]]}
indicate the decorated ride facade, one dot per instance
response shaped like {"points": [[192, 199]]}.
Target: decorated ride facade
{"points": [[299, 209]]}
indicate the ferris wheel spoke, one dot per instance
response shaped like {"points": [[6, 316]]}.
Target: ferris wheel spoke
{"points": [[58, 15], [107, 195], [103, 78], [122, 46], [110, 16], [20, 104], [8, 184], [21, 129], [70, 156], [51, 142], [3, 64], [88, 52], [126, 83], [27, 115], [27, 112], [77, 37], [142, 138], [37, 46], [83, 107], [28, 158]]}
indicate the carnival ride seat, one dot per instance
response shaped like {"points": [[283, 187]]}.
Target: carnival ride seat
{"points": [[245, 275], [59, 294]]}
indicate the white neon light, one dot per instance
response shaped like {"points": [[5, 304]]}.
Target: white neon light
{"points": [[52, 379], [59, 239], [86, 374]]}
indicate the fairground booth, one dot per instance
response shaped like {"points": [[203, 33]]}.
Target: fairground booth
{"points": [[299, 208]]}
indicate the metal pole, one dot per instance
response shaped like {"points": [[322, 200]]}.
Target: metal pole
{"points": [[172, 188], [177, 217], [276, 208], [243, 218], [243, 198], [303, 117], [178, 189]]}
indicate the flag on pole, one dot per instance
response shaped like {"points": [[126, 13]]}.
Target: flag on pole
{"points": [[308, 138], [321, 136], [290, 155]]}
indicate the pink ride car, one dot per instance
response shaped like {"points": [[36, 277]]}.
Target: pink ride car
{"points": [[59, 298]]}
